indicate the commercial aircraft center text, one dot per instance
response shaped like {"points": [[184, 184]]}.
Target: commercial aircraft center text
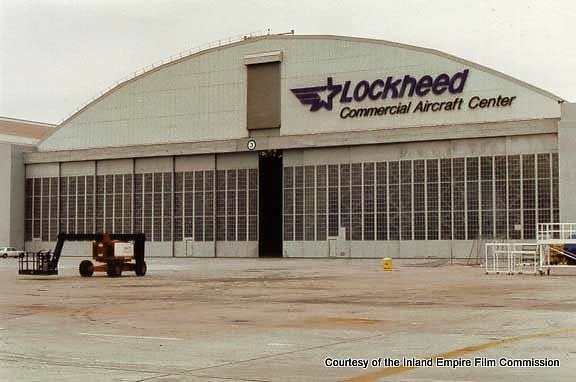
{"points": [[473, 103]]}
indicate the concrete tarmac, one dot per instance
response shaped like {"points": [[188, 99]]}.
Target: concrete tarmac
{"points": [[283, 320]]}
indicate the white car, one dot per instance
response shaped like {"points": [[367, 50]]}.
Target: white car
{"points": [[9, 252]]}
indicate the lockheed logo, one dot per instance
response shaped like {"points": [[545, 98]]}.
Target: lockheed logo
{"points": [[311, 96], [323, 96]]}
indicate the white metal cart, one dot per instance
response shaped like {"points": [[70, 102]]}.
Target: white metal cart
{"points": [[511, 257]]}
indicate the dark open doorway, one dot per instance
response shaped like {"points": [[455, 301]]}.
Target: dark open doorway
{"points": [[270, 203]]}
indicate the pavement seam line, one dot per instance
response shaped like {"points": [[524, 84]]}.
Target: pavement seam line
{"points": [[389, 371], [195, 370], [126, 336]]}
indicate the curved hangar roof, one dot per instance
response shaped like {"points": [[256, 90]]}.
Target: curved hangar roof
{"points": [[328, 84]]}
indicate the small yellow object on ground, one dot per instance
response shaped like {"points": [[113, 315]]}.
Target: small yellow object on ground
{"points": [[386, 264]]}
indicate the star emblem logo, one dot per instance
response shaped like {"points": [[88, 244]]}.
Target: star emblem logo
{"points": [[311, 95]]}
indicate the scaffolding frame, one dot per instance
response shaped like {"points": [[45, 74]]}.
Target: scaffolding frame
{"points": [[511, 258]]}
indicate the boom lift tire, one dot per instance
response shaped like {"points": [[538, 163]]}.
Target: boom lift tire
{"points": [[86, 268], [140, 269], [114, 269], [110, 269]]}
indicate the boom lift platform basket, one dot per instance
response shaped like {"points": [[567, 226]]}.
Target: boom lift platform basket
{"points": [[40, 263]]}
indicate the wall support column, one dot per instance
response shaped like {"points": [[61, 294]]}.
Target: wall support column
{"points": [[567, 161]]}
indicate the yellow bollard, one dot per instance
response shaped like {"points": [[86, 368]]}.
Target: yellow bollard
{"points": [[386, 264]]}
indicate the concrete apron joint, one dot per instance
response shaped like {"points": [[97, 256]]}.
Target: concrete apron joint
{"points": [[191, 371]]}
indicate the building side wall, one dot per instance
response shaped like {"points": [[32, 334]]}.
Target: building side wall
{"points": [[567, 143], [5, 193], [12, 195], [17, 199]]}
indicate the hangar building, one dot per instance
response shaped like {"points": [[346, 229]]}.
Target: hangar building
{"points": [[308, 146]]}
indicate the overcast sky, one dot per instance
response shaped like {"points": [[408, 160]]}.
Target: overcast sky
{"points": [[57, 54]]}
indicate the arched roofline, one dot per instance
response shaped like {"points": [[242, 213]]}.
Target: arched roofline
{"points": [[305, 37]]}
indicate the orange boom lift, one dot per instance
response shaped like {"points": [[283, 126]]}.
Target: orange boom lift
{"points": [[115, 254]]}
